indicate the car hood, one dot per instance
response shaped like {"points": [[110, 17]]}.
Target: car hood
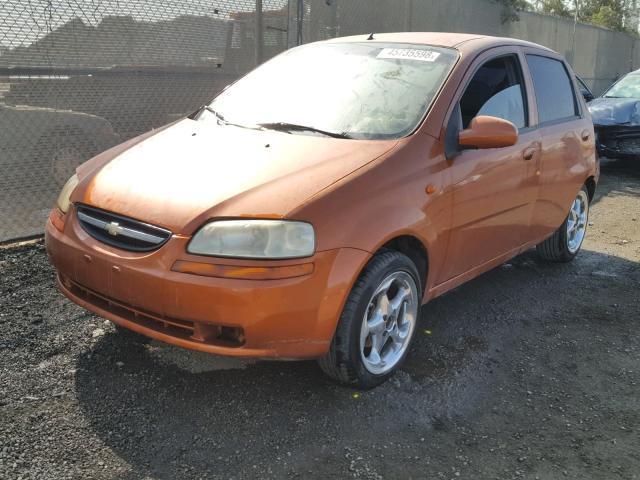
{"points": [[192, 170], [615, 111]]}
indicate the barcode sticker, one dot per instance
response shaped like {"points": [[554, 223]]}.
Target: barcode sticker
{"points": [[409, 54]]}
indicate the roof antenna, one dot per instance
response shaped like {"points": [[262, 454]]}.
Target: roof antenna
{"points": [[370, 36]]}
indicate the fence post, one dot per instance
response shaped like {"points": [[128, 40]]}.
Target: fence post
{"points": [[299, 21], [259, 38]]}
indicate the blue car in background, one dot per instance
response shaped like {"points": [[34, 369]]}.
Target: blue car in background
{"points": [[616, 118]]}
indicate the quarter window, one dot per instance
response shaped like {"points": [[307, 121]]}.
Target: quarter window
{"points": [[554, 94], [496, 90]]}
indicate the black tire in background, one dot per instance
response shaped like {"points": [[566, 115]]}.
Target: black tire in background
{"points": [[58, 155]]}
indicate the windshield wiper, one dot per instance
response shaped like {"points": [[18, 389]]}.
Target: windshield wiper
{"points": [[292, 127], [222, 120], [216, 113]]}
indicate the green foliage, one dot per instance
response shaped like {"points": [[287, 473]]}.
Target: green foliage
{"points": [[555, 7], [620, 15], [511, 8], [608, 17]]}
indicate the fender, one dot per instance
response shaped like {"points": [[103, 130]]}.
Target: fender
{"points": [[387, 199]]}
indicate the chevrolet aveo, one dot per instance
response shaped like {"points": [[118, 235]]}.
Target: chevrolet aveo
{"points": [[312, 207]]}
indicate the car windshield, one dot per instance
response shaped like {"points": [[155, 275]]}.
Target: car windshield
{"points": [[350, 90], [628, 87]]}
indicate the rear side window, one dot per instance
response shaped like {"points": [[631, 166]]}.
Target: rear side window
{"points": [[554, 93]]}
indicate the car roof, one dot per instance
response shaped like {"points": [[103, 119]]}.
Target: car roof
{"points": [[464, 42]]}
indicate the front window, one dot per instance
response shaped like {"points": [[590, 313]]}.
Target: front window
{"points": [[628, 87], [496, 90], [355, 90]]}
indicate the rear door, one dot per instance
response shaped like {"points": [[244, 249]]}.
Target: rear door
{"points": [[567, 140], [493, 190]]}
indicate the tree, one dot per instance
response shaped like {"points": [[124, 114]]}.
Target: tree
{"points": [[620, 15], [559, 8], [608, 17], [511, 8]]}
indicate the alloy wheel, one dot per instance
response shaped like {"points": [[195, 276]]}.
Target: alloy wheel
{"points": [[388, 323], [577, 222]]}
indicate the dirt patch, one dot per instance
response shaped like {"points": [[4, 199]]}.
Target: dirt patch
{"points": [[530, 371]]}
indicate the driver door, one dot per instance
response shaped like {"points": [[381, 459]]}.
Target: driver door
{"points": [[493, 190]]}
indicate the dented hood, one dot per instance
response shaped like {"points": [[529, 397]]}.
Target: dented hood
{"points": [[182, 175], [615, 111]]}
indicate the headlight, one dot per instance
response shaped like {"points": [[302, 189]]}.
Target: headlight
{"points": [[63, 199], [263, 239]]}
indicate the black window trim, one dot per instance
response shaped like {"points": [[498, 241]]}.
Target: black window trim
{"points": [[519, 73], [516, 52], [576, 105], [582, 84]]}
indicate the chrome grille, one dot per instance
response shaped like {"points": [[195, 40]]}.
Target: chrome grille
{"points": [[121, 232]]}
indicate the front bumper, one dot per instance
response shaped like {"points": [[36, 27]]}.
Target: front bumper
{"points": [[283, 318], [618, 141]]}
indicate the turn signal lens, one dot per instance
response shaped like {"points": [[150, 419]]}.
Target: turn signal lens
{"points": [[243, 272], [56, 217]]}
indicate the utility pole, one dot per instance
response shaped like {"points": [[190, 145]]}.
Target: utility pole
{"points": [[300, 21], [573, 40], [633, 22]]}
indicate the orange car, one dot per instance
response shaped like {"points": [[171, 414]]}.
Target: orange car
{"points": [[312, 207]]}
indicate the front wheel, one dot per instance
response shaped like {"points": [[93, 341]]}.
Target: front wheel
{"points": [[565, 242], [58, 155], [377, 323]]}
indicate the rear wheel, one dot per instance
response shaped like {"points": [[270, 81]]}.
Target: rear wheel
{"points": [[565, 242], [377, 323]]}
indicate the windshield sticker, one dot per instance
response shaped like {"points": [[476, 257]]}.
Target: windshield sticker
{"points": [[409, 54]]}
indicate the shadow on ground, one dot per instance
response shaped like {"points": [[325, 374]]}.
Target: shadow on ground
{"points": [[492, 363], [618, 178]]}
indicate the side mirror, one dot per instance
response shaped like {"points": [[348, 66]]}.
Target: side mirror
{"points": [[489, 132], [588, 96]]}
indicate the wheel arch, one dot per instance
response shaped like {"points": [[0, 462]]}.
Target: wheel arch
{"points": [[414, 248], [65, 131]]}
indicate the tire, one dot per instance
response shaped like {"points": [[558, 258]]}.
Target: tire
{"points": [[353, 354], [566, 241], [58, 155]]}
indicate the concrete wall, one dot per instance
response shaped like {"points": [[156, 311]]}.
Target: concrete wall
{"points": [[598, 55]]}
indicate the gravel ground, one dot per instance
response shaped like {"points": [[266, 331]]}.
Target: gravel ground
{"points": [[530, 371]]}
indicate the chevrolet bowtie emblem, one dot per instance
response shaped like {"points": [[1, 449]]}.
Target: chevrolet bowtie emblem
{"points": [[114, 228]]}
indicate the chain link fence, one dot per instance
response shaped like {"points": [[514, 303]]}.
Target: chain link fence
{"points": [[78, 76]]}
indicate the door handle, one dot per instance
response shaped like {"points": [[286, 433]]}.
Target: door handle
{"points": [[529, 153], [586, 135]]}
